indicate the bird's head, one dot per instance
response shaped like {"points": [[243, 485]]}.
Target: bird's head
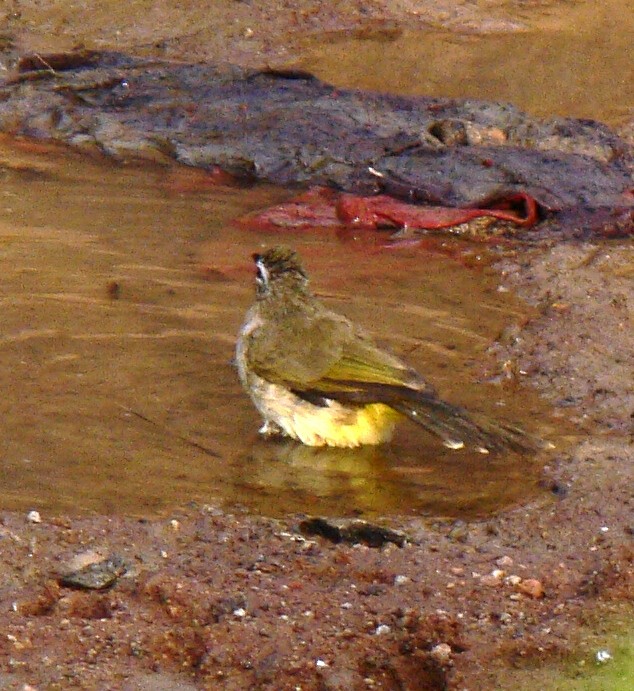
{"points": [[279, 268]]}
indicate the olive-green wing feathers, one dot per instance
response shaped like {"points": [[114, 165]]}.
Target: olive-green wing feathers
{"points": [[325, 353]]}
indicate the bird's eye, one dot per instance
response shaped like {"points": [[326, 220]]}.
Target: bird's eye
{"points": [[262, 274]]}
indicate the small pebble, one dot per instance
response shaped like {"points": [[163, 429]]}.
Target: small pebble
{"points": [[321, 663], [381, 629], [441, 653], [531, 587], [33, 517], [492, 579], [603, 656], [240, 612], [95, 576], [400, 580]]}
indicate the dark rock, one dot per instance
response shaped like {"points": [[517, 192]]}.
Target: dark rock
{"points": [[292, 129], [353, 531], [96, 576]]}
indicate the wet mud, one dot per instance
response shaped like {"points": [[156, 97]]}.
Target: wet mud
{"points": [[214, 597]]}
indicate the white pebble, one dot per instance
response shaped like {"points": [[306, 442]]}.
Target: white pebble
{"points": [[33, 517]]}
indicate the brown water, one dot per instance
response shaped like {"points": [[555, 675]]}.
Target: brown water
{"points": [[121, 298], [563, 58]]}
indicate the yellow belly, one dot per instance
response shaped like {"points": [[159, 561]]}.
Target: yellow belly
{"points": [[343, 427], [331, 424]]}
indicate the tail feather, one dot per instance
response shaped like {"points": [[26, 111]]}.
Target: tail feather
{"points": [[459, 429]]}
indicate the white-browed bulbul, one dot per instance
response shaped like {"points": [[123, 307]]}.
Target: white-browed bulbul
{"points": [[316, 377]]}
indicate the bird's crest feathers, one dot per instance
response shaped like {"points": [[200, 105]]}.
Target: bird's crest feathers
{"points": [[279, 260], [278, 264]]}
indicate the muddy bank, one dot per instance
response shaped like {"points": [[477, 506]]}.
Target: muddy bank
{"points": [[290, 129]]}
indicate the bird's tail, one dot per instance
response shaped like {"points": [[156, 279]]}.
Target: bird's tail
{"points": [[459, 429]]}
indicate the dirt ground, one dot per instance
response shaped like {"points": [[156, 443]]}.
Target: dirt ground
{"points": [[214, 599]]}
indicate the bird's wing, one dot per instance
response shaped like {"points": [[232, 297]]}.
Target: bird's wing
{"points": [[362, 363], [299, 349], [325, 353]]}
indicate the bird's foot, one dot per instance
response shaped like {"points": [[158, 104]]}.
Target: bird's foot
{"points": [[271, 429]]}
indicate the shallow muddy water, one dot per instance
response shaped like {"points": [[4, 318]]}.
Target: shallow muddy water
{"points": [[122, 291], [573, 59]]}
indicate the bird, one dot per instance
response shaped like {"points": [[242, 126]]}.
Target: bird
{"points": [[315, 376]]}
